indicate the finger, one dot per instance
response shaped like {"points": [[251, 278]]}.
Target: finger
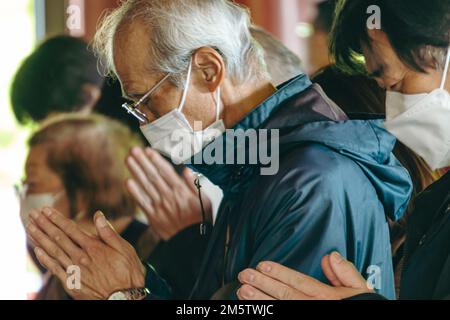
{"points": [[32, 242], [107, 233], [68, 227], [346, 272], [299, 281], [51, 264], [155, 216], [139, 195], [164, 168], [143, 179], [247, 292], [152, 172], [270, 286], [58, 236], [52, 249], [329, 273]]}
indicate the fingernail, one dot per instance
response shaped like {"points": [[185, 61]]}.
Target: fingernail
{"points": [[34, 214], [38, 251], [48, 212], [336, 257], [248, 276], [101, 220], [265, 267], [247, 292]]}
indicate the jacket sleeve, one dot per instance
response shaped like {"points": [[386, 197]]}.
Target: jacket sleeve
{"points": [[178, 260], [299, 224]]}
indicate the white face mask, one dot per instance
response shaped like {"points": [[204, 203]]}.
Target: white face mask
{"points": [[36, 201], [173, 136], [422, 122]]}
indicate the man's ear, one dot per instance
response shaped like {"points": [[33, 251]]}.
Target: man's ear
{"points": [[211, 67]]}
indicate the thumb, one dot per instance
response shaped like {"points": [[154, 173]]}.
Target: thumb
{"points": [[346, 272], [106, 232]]}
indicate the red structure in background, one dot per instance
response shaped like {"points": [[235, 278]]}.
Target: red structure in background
{"points": [[279, 17], [93, 11], [282, 17]]}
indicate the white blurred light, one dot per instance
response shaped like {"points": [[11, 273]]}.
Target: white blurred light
{"points": [[304, 30]]}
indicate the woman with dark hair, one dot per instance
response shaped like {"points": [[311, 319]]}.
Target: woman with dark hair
{"points": [[60, 76], [110, 104], [409, 56], [75, 164]]}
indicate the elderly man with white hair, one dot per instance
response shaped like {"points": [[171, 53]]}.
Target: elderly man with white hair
{"points": [[193, 71]]}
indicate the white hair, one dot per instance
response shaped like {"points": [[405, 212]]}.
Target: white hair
{"points": [[178, 28], [437, 56]]}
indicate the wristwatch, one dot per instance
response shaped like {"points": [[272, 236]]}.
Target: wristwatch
{"points": [[130, 294]]}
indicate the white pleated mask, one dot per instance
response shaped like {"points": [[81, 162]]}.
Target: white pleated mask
{"points": [[422, 122], [174, 137]]}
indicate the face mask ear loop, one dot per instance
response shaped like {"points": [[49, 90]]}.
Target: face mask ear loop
{"points": [[447, 62], [186, 89], [218, 104]]}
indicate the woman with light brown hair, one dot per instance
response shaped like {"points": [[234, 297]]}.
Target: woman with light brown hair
{"points": [[76, 164]]}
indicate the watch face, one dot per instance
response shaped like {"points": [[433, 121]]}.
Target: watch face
{"points": [[118, 296]]}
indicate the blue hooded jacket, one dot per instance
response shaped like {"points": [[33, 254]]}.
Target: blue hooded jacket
{"points": [[337, 183]]}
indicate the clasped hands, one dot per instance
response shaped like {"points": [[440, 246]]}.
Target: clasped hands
{"points": [[107, 262]]}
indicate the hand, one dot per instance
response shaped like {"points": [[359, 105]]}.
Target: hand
{"points": [[107, 263], [170, 202], [272, 281]]}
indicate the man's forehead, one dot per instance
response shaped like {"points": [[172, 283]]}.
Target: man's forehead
{"points": [[131, 58]]}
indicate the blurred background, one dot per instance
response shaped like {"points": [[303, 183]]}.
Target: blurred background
{"points": [[300, 24]]}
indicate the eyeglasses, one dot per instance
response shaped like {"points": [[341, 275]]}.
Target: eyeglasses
{"points": [[133, 108]]}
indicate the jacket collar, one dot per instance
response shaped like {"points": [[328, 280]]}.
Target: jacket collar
{"points": [[233, 177]]}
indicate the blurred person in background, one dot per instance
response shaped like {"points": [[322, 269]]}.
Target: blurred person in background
{"points": [[409, 56], [318, 41], [328, 171], [282, 63], [109, 105], [75, 164], [60, 76]]}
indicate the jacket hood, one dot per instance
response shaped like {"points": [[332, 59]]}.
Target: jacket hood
{"points": [[304, 114], [368, 144]]}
